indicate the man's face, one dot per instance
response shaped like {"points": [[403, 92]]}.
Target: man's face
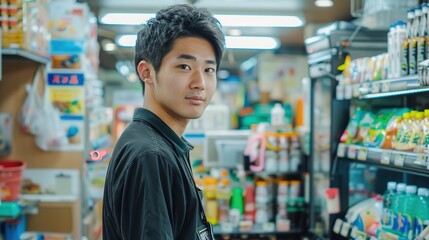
{"points": [[186, 80]]}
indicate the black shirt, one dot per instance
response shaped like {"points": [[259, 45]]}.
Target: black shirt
{"points": [[149, 190]]}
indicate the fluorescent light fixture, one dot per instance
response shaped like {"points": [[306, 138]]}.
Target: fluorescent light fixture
{"points": [[234, 32], [232, 42], [246, 42], [259, 21], [125, 18], [225, 20], [126, 40], [324, 3]]}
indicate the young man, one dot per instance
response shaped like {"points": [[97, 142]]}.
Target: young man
{"points": [[149, 191]]}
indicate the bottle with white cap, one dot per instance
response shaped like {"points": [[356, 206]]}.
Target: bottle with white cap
{"points": [[278, 115]]}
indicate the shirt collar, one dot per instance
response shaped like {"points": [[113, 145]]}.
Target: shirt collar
{"points": [[142, 114]]}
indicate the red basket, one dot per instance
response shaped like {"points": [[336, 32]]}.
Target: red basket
{"points": [[11, 179]]}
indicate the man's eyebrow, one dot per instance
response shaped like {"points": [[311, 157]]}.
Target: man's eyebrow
{"points": [[193, 58]]}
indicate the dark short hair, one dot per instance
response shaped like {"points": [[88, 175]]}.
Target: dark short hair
{"points": [[158, 34]]}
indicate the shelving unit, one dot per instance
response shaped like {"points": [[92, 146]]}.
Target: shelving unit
{"points": [[18, 69], [381, 88], [409, 167], [17, 52]]}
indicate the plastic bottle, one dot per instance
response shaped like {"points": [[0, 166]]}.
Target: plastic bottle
{"points": [[211, 200], [278, 115], [282, 197], [262, 200], [421, 42], [403, 139], [391, 49], [386, 217], [378, 208], [422, 215], [425, 137], [412, 48], [237, 206], [410, 206], [405, 63], [223, 198], [249, 201], [402, 48], [391, 132], [398, 207], [416, 138]]}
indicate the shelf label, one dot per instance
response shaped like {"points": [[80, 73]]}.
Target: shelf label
{"points": [[375, 87], [399, 160], [341, 150], [354, 233], [348, 92], [365, 88], [337, 226], [268, 226], [345, 229], [385, 158], [385, 87], [362, 154], [421, 159], [356, 92], [226, 227], [340, 92], [351, 152]]}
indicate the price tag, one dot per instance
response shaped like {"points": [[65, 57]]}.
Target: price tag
{"points": [[362, 154], [268, 226], [399, 160], [340, 92], [226, 227], [341, 150], [385, 87], [351, 152], [375, 87], [421, 159], [385, 158], [356, 90], [345, 229], [354, 232], [348, 92], [337, 226], [365, 88]]}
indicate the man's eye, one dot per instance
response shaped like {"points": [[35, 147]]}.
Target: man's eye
{"points": [[210, 70], [184, 67]]}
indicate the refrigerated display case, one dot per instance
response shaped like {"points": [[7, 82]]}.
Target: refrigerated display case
{"points": [[326, 51]]}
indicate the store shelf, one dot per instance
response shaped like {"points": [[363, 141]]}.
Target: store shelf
{"points": [[416, 163], [25, 54], [382, 88], [257, 230]]}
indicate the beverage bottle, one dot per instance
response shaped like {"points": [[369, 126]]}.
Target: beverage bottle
{"points": [[391, 132], [211, 200], [412, 48], [249, 201], [223, 198], [421, 42], [386, 216], [406, 130], [422, 216], [282, 197], [398, 134], [278, 115], [425, 137], [237, 206], [405, 64], [391, 50], [397, 207], [401, 49], [262, 202], [410, 205], [417, 138]]}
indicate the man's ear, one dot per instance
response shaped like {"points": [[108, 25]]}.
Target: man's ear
{"points": [[144, 70]]}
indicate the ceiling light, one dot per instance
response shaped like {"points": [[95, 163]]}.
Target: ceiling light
{"points": [[232, 42], [225, 20], [234, 32], [245, 42], [324, 3]]}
